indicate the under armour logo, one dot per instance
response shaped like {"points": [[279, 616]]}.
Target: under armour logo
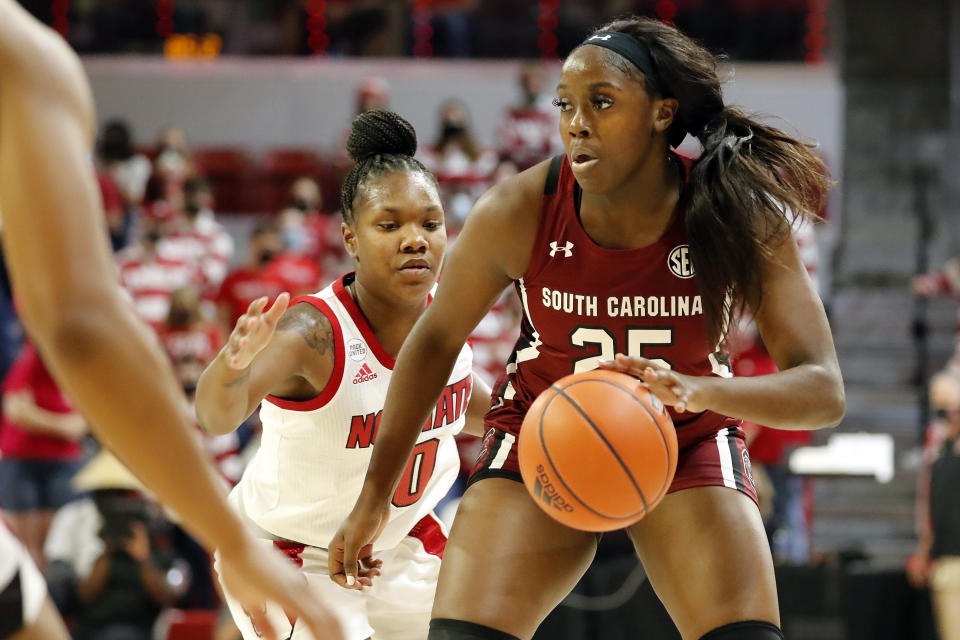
{"points": [[599, 37], [567, 249]]}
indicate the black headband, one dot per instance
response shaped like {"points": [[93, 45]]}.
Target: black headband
{"points": [[631, 49], [638, 54]]}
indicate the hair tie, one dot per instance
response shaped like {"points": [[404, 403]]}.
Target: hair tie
{"points": [[734, 142]]}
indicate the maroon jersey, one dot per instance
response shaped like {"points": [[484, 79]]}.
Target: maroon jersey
{"points": [[583, 303]]}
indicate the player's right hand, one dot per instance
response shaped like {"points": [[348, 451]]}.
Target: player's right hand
{"points": [[350, 553], [253, 331], [253, 575]]}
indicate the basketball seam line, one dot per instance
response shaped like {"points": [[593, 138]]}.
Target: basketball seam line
{"points": [[666, 448], [665, 486], [553, 467], [623, 465]]}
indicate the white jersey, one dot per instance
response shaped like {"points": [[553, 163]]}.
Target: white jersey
{"points": [[303, 481], [22, 588]]}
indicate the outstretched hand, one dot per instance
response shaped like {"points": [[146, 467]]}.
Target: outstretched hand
{"points": [[253, 331], [682, 392]]}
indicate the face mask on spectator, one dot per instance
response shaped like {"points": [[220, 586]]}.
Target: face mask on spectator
{"points": [[179, 316], [266, 256], [295, 240], [452, 130], [302, 204]]}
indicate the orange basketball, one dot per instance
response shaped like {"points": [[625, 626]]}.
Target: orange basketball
{"points": [[597, 450]]}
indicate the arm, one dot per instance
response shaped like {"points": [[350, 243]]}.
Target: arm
{"points": [[918, 564], [493, 249], [60, 264], [20, 408], [55, 241], [289, 355], [478, 406], [807, 391], [152, 578], [154, 582], [944, 281], [90, 587]]}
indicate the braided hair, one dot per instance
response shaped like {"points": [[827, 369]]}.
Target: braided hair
{"points": [[381, 143]]}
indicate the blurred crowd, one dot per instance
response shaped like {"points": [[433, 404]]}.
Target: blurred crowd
{"points": [[192, 254], [744, 29], [935, 562], [198, 237]]}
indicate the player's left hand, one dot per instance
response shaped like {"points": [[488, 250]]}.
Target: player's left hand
{"points": [[682, 392]]}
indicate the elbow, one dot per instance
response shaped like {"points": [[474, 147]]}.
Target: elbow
{"points": [[73, 330], [833, 400], [211, 426], [214, 417], [209, 421]]}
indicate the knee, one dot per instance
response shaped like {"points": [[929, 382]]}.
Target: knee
{"points": [[745, 630], [447, 629]]}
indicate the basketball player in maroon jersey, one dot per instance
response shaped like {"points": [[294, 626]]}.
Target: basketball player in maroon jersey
{"points": [[620, 248], [55, 242]]}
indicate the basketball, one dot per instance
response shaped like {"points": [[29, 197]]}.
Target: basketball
{"points": [[597, 450]]}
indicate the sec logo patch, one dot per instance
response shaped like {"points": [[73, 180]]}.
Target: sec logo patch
{"points": [[679, 262]]}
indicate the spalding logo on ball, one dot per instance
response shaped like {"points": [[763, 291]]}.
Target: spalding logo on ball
{"points": [[597, 450]]}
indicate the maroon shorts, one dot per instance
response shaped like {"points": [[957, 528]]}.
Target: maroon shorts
{"points": [[717, 459]]}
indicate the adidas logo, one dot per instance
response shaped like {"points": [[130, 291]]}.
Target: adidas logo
{"points": [[364, 375]]}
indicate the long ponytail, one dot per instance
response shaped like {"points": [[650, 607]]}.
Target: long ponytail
{"points": [[746, 188]]}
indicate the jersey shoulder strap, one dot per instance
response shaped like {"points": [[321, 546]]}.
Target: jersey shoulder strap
{"points": [[553, 176]]}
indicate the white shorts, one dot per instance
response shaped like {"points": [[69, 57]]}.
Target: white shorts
{"points": [[396, 607], [22, 588]]}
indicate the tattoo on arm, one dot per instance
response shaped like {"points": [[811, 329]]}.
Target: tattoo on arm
{"points": [[312, 325]]}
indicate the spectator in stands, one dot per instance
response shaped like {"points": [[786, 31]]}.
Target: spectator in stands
{"points": [[936, 561], [113, 209], [463, 167], [226, 452], [73, 544], [452, 22], [528, 131], [186, 333], [40, 441], [151, 277], [307, 227], [372, 93], [130, 171], [196, 236], [127, 587], [174, 155], [249, 282], [173, 164], [944, 281], [11, 332]]}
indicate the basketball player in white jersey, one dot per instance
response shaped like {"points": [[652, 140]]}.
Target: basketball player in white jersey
{"points": [[55, 244], [321, 368]]}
